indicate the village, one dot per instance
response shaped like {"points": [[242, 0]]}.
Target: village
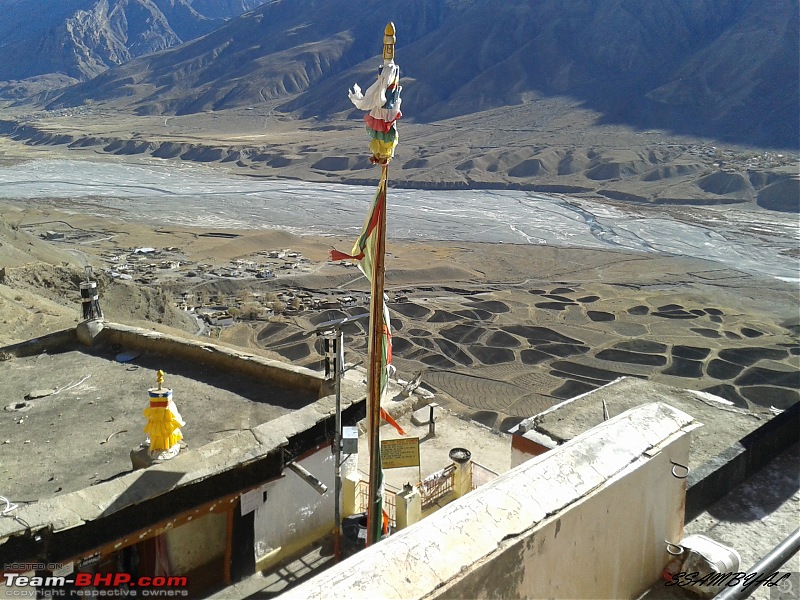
{"points": [[266, 280], [170, 268]]}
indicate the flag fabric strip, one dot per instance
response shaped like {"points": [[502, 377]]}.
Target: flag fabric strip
{"points": [[385, 137], [364, 253], [378, 124], [382, 100], [386, 89], [382, 152], [336, 255], [364, 249], [372, 265], [388, 418]]}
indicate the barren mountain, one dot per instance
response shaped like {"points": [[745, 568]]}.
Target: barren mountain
{"points": [[665, 101], [82, 38], [722, 68]]}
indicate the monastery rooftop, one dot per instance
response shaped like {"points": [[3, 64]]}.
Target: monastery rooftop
{"points": [[74, 413]]}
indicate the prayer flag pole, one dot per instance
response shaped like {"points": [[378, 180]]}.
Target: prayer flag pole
{"points": [[377, 368], [382, 100], [378, 358]]}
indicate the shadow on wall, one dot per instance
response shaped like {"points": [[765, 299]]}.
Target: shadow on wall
{"points": [[149, 483]]}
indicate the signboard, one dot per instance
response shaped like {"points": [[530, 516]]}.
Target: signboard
{"points": [[89, 561], [253, 499], [402, 452]]}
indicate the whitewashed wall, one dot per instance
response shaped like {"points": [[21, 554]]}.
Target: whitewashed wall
{"points": [[197, 543], [294, 514]]}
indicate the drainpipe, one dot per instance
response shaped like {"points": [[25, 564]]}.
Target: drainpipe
{"points": [[769, 564]]}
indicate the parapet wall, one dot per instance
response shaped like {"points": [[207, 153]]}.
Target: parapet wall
{"points": [[52, 342], [212, 355], [585, 520], [195, 351]]}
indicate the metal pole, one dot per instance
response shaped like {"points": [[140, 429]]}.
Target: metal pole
{"points": [[337, 442], [769, 564], [331, 332]]}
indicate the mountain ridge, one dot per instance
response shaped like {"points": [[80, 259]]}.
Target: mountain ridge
{"points": [[83, 38], [673, 64]]}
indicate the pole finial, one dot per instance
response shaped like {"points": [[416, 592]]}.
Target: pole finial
{"points": [[382, 100], [389, 40], [160, 378]]}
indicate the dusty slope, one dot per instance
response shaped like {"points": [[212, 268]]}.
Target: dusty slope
{"points": [[499, 331], [39, 286]]}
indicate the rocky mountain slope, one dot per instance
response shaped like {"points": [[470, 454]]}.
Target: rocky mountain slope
{"points": [[727, 69], [82, 38]]}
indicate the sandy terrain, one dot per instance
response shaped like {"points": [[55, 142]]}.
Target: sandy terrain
{"points": [[560, 147], [499, 332]]}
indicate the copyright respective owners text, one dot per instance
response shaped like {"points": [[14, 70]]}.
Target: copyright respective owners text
{"points": [[91, 585]]}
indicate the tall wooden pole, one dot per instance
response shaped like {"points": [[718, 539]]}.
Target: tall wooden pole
{"points": [[376, 368], [383, 101], [378, 329]]}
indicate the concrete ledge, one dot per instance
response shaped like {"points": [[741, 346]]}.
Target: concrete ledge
{"points": [[715, 478], [194, 351], [56, 341], [209, 354]]}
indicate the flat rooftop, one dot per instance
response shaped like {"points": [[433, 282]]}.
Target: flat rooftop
{"points": [[488, 447], [71, 418], [723, 423]]}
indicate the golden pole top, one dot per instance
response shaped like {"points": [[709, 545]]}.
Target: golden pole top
{"points": [[160, 378], [389, 40]]}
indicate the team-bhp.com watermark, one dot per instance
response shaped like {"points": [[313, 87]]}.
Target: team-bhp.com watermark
{"points": [[93, 585]]}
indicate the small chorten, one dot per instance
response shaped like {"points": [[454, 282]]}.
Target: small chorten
{"points": [[163, 422]]}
